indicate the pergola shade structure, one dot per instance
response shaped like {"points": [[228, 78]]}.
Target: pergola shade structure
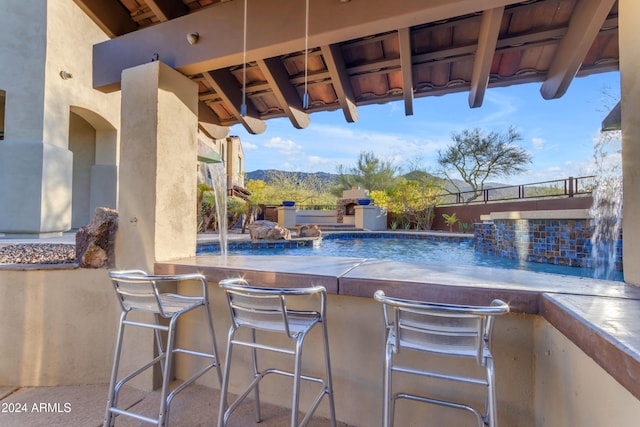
{"points": [[359, 52]]}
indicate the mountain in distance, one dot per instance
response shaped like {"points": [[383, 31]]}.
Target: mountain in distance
{"points": [[266, 175]]}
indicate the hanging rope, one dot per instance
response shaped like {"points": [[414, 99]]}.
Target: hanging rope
{"points": [[305, 98], [243, 107]]}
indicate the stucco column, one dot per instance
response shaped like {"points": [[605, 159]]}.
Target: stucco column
{"points": [[628, 18], [158, 174]]}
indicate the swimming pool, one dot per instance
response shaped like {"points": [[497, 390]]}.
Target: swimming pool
{"points": [[452, 251]]}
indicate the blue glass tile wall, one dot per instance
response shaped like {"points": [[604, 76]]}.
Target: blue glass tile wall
{"points": [[551, 241]]}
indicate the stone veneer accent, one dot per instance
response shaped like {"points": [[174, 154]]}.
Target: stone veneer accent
{"points": [[550, 241]]}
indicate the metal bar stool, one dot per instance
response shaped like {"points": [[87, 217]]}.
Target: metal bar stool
{"points": [[138, 291], [265, 309], [444, 329]]}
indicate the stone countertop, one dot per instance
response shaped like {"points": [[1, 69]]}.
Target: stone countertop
{"points": [[601, 317]]}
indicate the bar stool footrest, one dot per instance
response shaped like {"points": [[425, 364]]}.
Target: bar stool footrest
{"points": [[433, 401]]}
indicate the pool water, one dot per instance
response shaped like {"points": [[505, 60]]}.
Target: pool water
{"points": [[410, 250]]}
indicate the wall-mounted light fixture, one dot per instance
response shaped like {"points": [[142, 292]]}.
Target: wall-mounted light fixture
{"points": [[192, 38], [65, 75]]}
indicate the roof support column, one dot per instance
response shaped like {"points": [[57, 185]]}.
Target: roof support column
{"points": [[158, 174], [629, 16]]}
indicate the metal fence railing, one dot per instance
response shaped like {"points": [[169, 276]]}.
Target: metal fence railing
{"points": [[568, 187]]}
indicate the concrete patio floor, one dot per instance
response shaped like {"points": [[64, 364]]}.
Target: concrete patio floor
{"points": [[83, 406]]}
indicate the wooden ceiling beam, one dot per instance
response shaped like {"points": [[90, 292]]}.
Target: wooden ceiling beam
{"points": [[276, 75], [206, 115], [406, 65], [272, 32], [167, 9], [585, 24], [341, 82], [223, 82], [112, 18], [214, 131], [487, 42]]}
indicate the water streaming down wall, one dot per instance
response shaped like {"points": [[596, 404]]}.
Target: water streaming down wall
{"points": [[219, 183], [606, 211]]}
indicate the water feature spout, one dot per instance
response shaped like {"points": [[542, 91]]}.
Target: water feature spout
{"points": [[606, 210], [219, 179]]}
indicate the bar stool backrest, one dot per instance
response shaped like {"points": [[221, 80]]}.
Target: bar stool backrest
{"points": [[266, 308], [440, 328], [136, 290]]}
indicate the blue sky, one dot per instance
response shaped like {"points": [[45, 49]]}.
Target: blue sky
{"points": [[558, 133]]}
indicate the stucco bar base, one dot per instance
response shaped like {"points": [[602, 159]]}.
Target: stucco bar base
{"points": [[35, 189]]}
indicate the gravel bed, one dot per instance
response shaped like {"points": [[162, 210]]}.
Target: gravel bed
{"points": [[37, 253]]}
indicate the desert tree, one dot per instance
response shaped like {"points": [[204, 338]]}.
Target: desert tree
{"points": [[477, 156], [370, 173]]}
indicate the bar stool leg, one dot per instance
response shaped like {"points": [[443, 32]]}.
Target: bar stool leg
{"points": [[166, 375], [159, 341], [213, 342], [112, 400], [387, 411], [296, 381], [491, 394], [256, 391], [329, 380], [222, 421]]}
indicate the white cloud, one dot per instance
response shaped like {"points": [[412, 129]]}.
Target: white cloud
{"points": [[247, 146], [538, 143], [286, 147], [320, 161], [347, 143]]}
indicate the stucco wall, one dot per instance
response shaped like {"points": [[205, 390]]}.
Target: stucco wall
{"points": [[23, 29], [57, 327], [70, 39], [40, 39], [572, 390], [629, 16]]}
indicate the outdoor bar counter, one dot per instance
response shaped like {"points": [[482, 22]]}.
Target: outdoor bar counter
{"points": [[567, 354]]}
